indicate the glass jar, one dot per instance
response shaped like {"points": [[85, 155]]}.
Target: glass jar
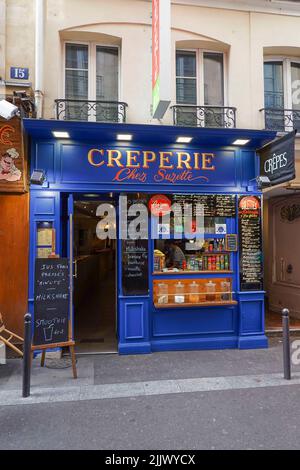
{"points": [[194, 292], [163, 291], [225, 290], [179, 293], [210, 291]]}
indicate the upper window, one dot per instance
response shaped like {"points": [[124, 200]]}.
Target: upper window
{"points": [[200, 81], [282, 94], [91, 74], [199, 78]]}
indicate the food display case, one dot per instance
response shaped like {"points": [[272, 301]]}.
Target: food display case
{"points": [[198, 292], [197, 271]]}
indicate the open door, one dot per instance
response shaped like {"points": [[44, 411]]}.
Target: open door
{"points": [[93, 270]]}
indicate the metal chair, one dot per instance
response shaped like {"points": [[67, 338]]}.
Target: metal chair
{"points": [[9, 336]]}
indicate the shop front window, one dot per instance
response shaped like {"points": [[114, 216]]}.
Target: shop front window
{"points": [[195, 268]]}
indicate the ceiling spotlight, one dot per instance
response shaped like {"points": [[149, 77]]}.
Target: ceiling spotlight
{"points": [[61, 134], [184, 140], [126, 137], [241, 142]]}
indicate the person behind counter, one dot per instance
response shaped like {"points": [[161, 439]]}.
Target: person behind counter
{"points": [[175, 258]]}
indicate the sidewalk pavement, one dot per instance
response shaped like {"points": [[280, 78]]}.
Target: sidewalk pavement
{"points": [[113, 376]]}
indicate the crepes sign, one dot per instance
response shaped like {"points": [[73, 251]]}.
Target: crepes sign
{"points": [[277, 159], [12, 168]]}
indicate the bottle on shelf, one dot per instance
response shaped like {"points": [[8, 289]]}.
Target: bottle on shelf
{"points": [[226, 262], [194, 293], [222, 263], [210, 291], [163, 291], [179, 293], [225, 290]]}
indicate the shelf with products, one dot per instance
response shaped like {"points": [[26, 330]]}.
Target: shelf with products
{"points": [[186, 256], [173, 293]]}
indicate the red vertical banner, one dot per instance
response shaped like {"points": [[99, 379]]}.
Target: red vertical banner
{"points": [[161, 57]]}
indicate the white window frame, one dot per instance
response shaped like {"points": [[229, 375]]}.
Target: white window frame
{"points": [[92, 47], [200, 76], [287, 78]]}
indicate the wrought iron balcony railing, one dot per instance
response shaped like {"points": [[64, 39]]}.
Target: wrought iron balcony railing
{"points": [[281, 120], [87, 110], [204, 116]]}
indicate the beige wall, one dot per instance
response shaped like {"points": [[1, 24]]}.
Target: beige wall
{"points": [[244, 36], [16, 37]]}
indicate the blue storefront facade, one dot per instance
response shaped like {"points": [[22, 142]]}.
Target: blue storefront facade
{"points": [[92, 161]]}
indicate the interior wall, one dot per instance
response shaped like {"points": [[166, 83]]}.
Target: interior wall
{"points": [[14, 234]]}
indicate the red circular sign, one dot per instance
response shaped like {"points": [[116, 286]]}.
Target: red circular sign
{"points": [[160, 205], [249, 203]]}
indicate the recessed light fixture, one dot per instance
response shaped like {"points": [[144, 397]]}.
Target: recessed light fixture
{"points": [[61, 134], [241, 142], [127, 137], [184, 140]]}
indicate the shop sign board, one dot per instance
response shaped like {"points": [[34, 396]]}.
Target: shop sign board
{"points": [[12, 167], [134, 165], [277, 159], [161, 57]]}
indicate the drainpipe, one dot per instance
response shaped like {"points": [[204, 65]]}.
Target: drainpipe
{"points": [[39, 56], [2, 47]]}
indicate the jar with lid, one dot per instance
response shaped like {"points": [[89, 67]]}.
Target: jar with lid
{"points": [[179, 293], [210, 291], [225, 290], [163, 291], [193, 292]]}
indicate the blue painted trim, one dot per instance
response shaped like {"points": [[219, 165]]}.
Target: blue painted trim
{"points": [[253, 342], [134, 348], [228, 342]]}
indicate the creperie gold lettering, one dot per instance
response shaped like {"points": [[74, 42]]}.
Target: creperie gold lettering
{"points": [[166, 160]]}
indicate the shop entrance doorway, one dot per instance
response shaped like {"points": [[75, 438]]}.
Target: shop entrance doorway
{"points": [[94, 285], [282, 258]]}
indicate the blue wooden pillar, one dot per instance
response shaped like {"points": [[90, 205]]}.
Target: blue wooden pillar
{"points": [[252, 320]]}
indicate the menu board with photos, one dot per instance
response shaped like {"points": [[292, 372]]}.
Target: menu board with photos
{"points": [[214, 205], [250, 240]]}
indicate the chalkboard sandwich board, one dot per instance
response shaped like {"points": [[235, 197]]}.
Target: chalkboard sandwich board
{"points": [[52, 323]]}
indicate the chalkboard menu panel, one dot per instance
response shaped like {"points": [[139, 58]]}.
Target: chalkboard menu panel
{"points": [[135, 256], [214, 205], [51, 302], [251, 266], [225, 205]]}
